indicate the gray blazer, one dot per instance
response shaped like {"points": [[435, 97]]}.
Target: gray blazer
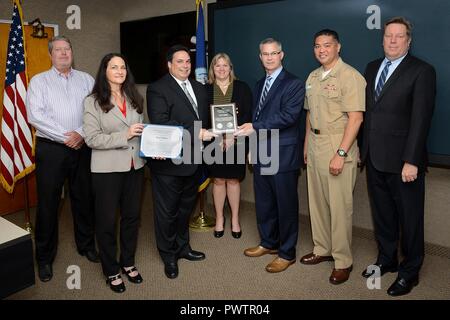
{"points": [[106, 134]]}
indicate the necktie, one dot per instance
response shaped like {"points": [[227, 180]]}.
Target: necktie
{"points": [[190, 98], [382, 80], [263, 95]]}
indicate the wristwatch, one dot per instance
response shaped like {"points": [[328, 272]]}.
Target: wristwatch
{"points": [[342, 153]]}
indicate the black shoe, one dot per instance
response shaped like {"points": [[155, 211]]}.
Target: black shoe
{"points": [[402, 286], [383, 270], [171, 270], [236, 235], [91, 255], [45, 272], [136, 279], [119, 288], [219, 234], [193, 256]]}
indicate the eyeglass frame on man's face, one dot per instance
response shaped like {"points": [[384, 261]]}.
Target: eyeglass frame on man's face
{"points": [[270, 54]]}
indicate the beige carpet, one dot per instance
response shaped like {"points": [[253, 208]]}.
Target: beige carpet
{"points": [[227, 273]]}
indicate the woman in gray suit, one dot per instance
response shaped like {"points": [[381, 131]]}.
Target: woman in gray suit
{"points": [[113, 118]]}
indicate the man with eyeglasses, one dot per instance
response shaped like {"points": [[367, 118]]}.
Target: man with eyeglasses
{"points": [[335, 101], [278, 106], [55, 109]]}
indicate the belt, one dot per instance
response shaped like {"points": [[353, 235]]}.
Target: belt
{"points": [[41, 139], [328, 131]]}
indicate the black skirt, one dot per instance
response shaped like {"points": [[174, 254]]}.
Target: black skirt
{"points": [[230, 170]]}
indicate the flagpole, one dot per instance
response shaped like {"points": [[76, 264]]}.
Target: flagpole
{"points": [[202, 221], [28, 226]]}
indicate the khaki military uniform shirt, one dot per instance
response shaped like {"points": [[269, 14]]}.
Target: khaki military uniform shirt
{"points": [[328, 100]]}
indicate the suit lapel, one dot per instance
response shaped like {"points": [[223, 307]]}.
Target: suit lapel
{"points": [[131, 113], [371, 77], [259, 88], [258, 92], [273, 89], [118, 114], [197, 96], [177, 89], [394, 76]]}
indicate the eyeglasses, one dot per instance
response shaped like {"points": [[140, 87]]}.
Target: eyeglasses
{"points": [[270, 54]]}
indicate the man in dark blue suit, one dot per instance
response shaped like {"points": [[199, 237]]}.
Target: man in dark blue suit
{"points": [[277, 109]]}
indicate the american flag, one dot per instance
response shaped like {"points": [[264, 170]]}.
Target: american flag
{"points": [[16, 151]]}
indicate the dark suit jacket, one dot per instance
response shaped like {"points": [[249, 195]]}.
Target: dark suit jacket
{"points": [[396, 126], [281, 110], [167, 104]]}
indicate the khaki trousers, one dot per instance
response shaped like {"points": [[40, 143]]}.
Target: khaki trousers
{"points": [[331, 198]]}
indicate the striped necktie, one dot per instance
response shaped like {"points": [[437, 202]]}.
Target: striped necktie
{"points": [[188, 95], [263, 95], [382, 80]]}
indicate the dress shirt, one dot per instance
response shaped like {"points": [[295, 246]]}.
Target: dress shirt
{"points": [[188, 86], [274, 76], [55, 102], [392, 68]]}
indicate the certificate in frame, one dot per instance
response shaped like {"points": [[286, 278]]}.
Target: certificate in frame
{"points": [[224, 118], [161, 141]]}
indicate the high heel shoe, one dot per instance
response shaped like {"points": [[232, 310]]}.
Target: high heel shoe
{"points": [[237, 234], [136, 279], [219, 234], [119, 288]]}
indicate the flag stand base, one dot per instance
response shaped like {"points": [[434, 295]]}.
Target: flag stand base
{"points": [[201, 222]]}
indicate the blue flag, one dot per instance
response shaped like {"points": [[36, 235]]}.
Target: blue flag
{"points": [[200, 57], [200, 71]]}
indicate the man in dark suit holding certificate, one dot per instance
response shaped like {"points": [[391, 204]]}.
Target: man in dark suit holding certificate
{"points": [[400, 97], [178, 101]]}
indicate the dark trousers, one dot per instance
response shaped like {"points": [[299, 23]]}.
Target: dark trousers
{"points": [[276, 201], [117, 190], [54, 163], [173, 201], [398, 212]]}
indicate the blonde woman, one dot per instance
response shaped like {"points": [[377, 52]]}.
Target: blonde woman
{"points": [[223, 87]]}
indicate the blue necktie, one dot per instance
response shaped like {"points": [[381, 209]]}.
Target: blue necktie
{"points": [[382, 80], [263, 95]]}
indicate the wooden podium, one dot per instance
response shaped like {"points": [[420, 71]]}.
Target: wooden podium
{"points": [[16, 256]]}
